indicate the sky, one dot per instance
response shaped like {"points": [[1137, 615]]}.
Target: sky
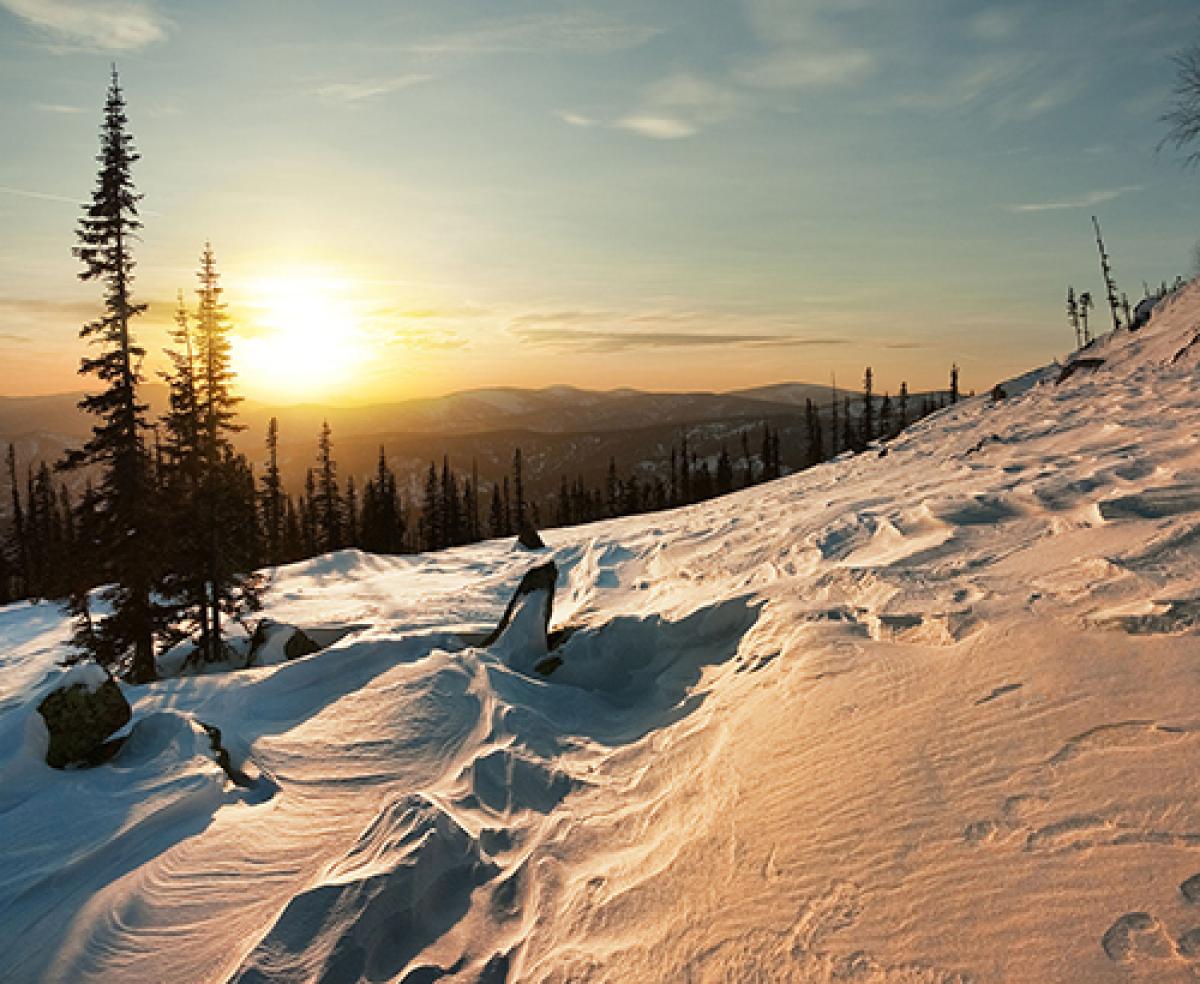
{"points": [[407, 199]]}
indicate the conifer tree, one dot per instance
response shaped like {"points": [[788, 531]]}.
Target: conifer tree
{"points": [[954, 383], [903, 401], [519, 489], [352, 527], [834, 435], [272, 497], [724, 472], [227, 497], [1073, 316], [433, 529], [1085, 305], [125, 508], [815, 452], [885, 416], [496, 513], [329, 500], [868, 414], [747, 461], [19, 542], [1110, 287]]}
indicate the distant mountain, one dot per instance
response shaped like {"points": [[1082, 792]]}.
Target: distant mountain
{"points": [[561, 430]]}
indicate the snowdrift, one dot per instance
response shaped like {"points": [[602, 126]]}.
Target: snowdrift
{"points": [[933, 716]]}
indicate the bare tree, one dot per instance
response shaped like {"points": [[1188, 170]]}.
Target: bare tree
{"points": [[1183, 118]]}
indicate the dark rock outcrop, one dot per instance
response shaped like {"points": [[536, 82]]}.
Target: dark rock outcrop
{"points": [[1090, 364], [300, 644], [530, 538], [80, 720], [543, 577]]}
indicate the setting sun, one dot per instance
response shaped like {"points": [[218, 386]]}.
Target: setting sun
{"points": [[302, 341]]}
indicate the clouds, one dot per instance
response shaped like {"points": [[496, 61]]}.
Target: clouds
{"points": [[364, 90], [569, 33], [104, 25], [602, 341], [1082, 201]]}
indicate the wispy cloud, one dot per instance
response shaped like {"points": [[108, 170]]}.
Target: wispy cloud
{"points": [[56, 108], [366, 89], [678, 106], [12, 338], [572, 33], [577, 119], [602, 341], [107, 25], [42, 195], [1083, 201], [657, 127], [803, 68]]}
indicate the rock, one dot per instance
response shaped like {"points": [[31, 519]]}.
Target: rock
{"points": [[1090, 364], [530, 538], [542, 578], [998, 393], [80, 714], [275, 642], [300, 644]]}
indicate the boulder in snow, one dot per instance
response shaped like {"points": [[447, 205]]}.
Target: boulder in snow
{"points": [[81, 712], [528, 613], [276, 642], [529, 537]]}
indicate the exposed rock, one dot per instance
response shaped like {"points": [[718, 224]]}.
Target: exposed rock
{"points": [[300, 644], [1090, 363], [274, 642], [998, 393], [543, 578], [80, 715], [221, 754], [529, 537]]}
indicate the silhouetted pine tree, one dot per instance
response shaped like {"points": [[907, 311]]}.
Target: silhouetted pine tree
{"points": [[126, 508], [496, 513], [1110, 287], [18, 543], [352, 527], [227, 495], [330, 528], [954, 384], [432, 525], [272, 498], [885, 416], [903, 406], [519, 490], [1073, 316], [868, 414], [724, 472], [815, 451], [383, 525], [1085, 305]]}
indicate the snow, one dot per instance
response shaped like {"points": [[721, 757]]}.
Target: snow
{"points": [[88, 674], [925, 717]]}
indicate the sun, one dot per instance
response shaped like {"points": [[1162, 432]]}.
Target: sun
{"points": [[303, 341]]}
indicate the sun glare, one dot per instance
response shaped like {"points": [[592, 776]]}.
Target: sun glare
{"points": [[304, 342]]}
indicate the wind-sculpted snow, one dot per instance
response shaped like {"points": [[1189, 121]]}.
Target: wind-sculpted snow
{"points": [[929, 716]]}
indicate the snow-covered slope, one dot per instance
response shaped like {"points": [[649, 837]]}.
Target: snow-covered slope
{"points": [[932, 716]]}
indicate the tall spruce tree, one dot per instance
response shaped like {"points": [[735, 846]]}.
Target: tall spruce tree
{"points": [[868, 414], [227, 496], [272, 498], [329, 499], [1110, 287], [124, 506]]}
